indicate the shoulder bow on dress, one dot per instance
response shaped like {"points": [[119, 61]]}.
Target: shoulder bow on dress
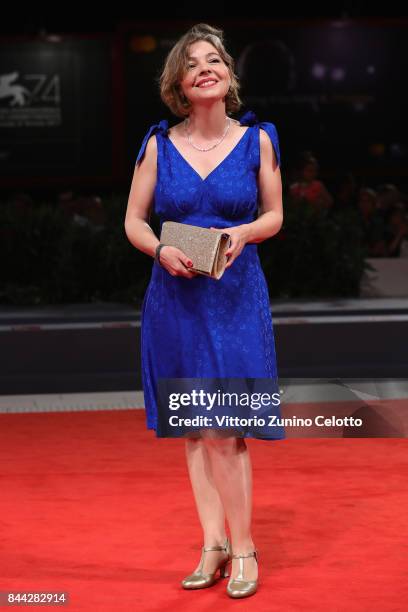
{"points": [[249, 118], [161, 127]]}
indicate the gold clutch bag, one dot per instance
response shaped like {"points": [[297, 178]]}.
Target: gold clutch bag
{"points": [[206, 248]]}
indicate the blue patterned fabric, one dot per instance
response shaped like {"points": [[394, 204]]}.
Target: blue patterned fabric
{"points": [[202, 327]]}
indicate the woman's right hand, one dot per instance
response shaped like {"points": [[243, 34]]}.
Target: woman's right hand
{"points": [[176, 262]]}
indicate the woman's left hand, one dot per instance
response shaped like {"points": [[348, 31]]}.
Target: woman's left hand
{"points": [[239, 237]]}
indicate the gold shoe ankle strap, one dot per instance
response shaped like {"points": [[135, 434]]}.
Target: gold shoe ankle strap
{"points": [[254, 553], [220, 547]]}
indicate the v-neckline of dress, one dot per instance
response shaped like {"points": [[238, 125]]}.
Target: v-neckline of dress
{"points": [[203, 180]]}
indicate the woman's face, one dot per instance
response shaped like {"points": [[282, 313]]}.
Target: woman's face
{"points": [[205, 64]]}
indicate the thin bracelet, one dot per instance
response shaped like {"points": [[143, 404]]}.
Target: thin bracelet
{"points": [[157, 254]]}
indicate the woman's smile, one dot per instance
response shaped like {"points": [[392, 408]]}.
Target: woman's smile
{"points": [[207, 83]]}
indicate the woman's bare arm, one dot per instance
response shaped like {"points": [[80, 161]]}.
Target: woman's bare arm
{"points": [[270, 220], [140, 201], [138, 213]]}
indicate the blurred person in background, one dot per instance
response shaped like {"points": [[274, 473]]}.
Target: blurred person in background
{"points": [[308, 187], [397, 232], [372, 223], [345, 192], [388, 195]]}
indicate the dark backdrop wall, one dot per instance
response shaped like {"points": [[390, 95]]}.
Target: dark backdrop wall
{"points": [[335, 87], [75, 108], [56, 109]]}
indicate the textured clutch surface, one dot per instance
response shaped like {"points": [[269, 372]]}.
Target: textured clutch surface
{"points": [[206, 248]]}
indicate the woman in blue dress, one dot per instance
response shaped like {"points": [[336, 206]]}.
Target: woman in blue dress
{"points": [[211, 171]]}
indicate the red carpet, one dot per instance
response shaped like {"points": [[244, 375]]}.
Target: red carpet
{"points": [[95, 505]]}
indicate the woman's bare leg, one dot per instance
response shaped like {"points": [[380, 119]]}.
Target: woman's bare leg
{"points": [[208, 502], [232, 475]]}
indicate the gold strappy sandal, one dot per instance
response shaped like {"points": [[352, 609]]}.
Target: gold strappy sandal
{"points": [[199, 580], [238, 586]]}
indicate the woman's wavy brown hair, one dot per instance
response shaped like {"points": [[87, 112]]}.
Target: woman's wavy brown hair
{"points": [[176, 64]]}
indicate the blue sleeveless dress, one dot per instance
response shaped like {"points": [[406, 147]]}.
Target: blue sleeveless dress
{"points": [[202, 327]]}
